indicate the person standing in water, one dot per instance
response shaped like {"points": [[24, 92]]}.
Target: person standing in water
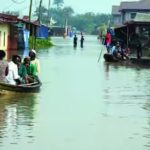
{"points": [[75, 41], [81, 41]]}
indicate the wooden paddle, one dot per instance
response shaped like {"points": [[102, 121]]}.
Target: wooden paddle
{"points": [[100, 55]]}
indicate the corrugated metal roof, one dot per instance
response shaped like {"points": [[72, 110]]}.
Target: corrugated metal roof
{"points": [[135, 5], [4, 18]]}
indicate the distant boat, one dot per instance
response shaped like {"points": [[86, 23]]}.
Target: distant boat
{"points": [[32, 87]]}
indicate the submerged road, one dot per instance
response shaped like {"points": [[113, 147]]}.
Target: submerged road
{"points": [[82, 105]]}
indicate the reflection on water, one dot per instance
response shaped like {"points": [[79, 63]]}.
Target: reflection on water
{"points": [[17, 113], [126, 95]]}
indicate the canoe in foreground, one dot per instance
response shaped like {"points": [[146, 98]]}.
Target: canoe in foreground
{"points": [[32, 87], [110, 58]]}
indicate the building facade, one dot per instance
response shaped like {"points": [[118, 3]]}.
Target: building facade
{"points": [[127, 11]]}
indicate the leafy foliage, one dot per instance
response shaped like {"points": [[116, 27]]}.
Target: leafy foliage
{"points": [[43, 15], [58, 3], [88, 22], [67, 12], [40, 43]]}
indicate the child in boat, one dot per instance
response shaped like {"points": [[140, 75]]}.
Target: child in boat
{"points": [[27, 71]]}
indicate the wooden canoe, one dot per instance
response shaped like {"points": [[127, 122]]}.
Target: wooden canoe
{"points": [[32, 87], [110, 58]]}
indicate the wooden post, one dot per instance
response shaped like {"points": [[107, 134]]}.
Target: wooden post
{"points": [[39, 17], [66, 25], [30, 10], [48, 13], [127, 36]]}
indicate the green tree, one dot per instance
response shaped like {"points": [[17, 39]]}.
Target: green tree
{"points": [[57, 15], [89, 22], [102, 29], [67, 12], [43, 15], [58, 3]]}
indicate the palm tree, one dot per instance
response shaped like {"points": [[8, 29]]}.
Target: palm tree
{"points": [[67, 13], [58, 3]]}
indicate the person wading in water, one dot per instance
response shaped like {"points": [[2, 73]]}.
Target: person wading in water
{"points": [[75, 41], [81, 41]]}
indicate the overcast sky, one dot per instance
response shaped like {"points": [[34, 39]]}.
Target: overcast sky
{"points": [[79, 6]]}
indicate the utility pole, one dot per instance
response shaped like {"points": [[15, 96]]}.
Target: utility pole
{"points": [[48, 13], [30, 10], [39, 17], [66, 25]]}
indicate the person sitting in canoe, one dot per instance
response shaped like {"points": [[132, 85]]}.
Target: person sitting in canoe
{"points": [[27, 71], [3, 67], [124, 52], [119, 51], [116, 51], [13, 76]]}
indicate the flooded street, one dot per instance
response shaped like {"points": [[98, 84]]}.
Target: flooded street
{"points": [[82, 105]]}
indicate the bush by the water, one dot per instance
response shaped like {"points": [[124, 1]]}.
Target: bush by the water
{"points": [[40, 43]]}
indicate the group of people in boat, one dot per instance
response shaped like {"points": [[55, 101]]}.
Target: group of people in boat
{"points": [[117, 49], [18, 71]]}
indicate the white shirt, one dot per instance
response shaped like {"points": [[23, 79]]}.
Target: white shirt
{"points": [[113, 49], [12, 73]]}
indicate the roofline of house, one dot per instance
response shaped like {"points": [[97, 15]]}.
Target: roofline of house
{"points": [[137, 22], [121, 10]]}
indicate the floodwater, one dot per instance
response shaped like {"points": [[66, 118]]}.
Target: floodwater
{"points": [[82, 105]]}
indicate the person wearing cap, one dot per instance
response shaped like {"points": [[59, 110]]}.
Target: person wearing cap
{"points": [[35, 63], [3, 66]]}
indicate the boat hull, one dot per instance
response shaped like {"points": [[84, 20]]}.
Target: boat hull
{"points": [[110, 58], [34, 87]]}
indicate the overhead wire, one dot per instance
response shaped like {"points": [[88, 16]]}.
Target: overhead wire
{"points": [[16, 2], [8, 7], [21, 2], [13, 2]]}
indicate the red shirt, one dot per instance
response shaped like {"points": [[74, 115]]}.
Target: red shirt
{"points": [[108, 38]]}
